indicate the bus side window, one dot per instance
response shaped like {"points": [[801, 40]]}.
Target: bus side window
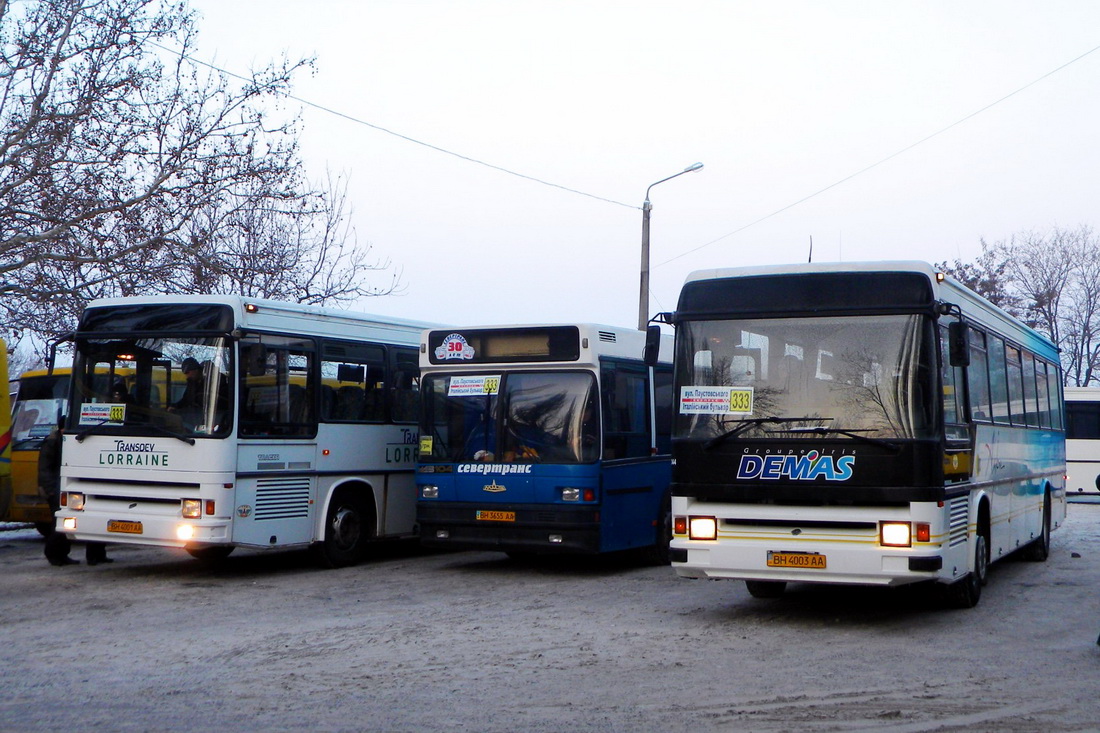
{"points": [[1031, 409], [353, 377], [951, 379], [978, 378], [280, 400]]}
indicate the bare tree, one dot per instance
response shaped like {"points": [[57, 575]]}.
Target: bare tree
{"points": [[1052, 281], [987, 276], [302, 250], [125, 169]]}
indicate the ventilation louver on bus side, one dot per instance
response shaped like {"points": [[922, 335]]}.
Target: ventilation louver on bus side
{"points": [[608, 336], [279, 498], [959, 508]]}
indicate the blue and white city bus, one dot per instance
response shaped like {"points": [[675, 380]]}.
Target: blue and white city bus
{"points": [[226, 421], [544, 439], [871, 423]]}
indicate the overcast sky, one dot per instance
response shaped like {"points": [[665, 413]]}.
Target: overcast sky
{"points": [[779, 100]]}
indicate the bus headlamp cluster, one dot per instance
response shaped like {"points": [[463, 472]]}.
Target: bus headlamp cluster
{"points": [[73, 500], [572, 494], [903, 534], [192, 508], [429, 491], [895, 534], [702, 528]]}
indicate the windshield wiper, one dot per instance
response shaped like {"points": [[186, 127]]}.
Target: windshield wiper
{"points": [[79, 437], [752, 423], [171, 433], [854, 434]]}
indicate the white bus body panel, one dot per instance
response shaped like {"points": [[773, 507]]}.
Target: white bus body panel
{"points": [[1082, 455]]}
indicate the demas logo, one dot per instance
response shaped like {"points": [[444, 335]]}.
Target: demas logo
{"points": [[808, 467]]}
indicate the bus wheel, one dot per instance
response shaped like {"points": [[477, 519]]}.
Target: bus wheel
{"points": [[765, 588], [44, 528], [347, 531], [1039, 549], [967, 592], [210, 554]]}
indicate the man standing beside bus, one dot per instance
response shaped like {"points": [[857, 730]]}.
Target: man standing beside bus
{"points": [[49, 479]]}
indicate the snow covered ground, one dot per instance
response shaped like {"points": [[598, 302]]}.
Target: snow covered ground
{"points": [[415, 641]]}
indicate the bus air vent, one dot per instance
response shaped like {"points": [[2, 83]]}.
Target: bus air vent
{"points": [[959, 512], [608, 336], [282, 498]]}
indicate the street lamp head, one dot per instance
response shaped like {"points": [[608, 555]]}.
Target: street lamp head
{"points": [[643, 294]]}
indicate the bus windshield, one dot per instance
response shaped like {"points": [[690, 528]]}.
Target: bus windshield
{"points": [[787, 378], [39, 404], [520, 417], [154, 385]]}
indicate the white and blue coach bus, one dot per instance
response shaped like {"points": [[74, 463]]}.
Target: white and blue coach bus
{"points": [[871, 423], [230, 421]]}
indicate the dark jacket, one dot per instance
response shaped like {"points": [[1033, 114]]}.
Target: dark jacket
{"points": [[49, 468]]}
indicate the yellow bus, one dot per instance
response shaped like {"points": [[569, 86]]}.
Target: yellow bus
{"points": [[5, 441], [40, 401]]}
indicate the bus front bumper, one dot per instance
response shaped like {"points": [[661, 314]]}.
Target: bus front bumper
{"points": [[539, 528], [821, 564], [161, 531]]}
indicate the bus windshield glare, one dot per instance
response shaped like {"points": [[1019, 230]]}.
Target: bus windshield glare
{"points": [[787, 378], [511, 417], [153, 386]]}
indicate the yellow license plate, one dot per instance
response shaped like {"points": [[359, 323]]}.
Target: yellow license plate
{"points": [[117, 525], [490, 516], [811, 560]]}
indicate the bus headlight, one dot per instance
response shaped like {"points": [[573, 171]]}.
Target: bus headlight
{"points": [[568, 494], [429, 491], [75, 501], [895, 534], [185, 531], [192, 508], [702, 528], [68, 523]]}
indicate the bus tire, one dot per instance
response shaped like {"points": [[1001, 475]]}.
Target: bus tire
{"points": [[1038, 550], [766, 588], [967, 592], [217, 553], [347, 530], [44, 528]]}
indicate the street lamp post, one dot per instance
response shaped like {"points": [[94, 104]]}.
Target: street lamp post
{"points": [[643, 293]]}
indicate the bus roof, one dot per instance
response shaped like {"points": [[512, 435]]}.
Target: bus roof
{"points": [[944, 287], [805, 267], [604, 340], [321, 320]]}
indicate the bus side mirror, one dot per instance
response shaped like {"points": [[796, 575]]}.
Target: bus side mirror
{"points": [[652, 345], [257, 360], [958, 337]]}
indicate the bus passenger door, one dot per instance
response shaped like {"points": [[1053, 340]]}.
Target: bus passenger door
{"points": [[276, 461], [634, 481]]}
